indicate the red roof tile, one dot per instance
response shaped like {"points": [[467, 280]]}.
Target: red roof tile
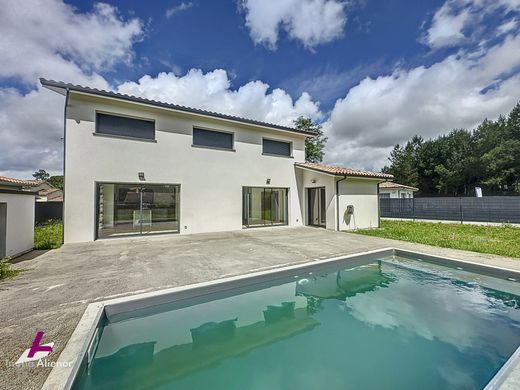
{"points": [[23, 182], [341, 171]]}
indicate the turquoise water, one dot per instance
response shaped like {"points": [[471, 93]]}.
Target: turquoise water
{"points": [[391, 324]]}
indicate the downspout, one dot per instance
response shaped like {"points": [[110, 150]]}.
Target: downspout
{"points": [[64, 146], [337, 202]]}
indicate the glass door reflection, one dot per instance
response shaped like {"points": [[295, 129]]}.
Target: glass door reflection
{"points": [[264, 206], [130, 209]]}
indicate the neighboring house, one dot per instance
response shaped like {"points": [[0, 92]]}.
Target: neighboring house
{"points": [[389, 189], [9, 183], [16, 217], [135, 166], [46, 192]]}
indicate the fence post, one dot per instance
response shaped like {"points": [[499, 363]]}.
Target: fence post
{"points": [[413, 207], [460, 210]]}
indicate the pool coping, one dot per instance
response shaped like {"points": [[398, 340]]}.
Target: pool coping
{"points": [[79, 349]]}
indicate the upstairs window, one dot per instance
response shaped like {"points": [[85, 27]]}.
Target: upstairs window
{"points": [[122, 126], [212, 139], [277, 148]]}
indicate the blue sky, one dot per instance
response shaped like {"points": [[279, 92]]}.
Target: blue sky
{"points": [[209, 35], [374, 73]]}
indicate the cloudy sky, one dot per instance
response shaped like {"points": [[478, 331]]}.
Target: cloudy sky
{"points": [[374, 73]]}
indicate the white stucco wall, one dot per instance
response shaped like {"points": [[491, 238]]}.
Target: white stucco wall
{"points": [[362, 194], [20, 223], [211, 180]]}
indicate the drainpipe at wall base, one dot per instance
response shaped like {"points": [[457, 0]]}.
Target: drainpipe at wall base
{"points": [[64, 146], [337, 202]]}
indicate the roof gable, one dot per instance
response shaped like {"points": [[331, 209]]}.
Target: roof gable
{"points": [[61, 87]]}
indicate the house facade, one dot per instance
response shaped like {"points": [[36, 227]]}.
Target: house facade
{"points": [[135, 166]]}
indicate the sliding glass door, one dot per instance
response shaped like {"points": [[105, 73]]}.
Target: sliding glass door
{"points": [[130, 209], [264, 206], [317, 210]]}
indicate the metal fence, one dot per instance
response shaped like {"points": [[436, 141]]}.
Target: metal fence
{"points": [[500, 209], [45, 211]]}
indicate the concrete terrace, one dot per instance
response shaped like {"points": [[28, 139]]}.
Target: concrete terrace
{"points": [[56, 286]]}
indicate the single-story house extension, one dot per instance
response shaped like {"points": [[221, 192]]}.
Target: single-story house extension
{"points": [[16, 217], [390, 189], [136, 166]]}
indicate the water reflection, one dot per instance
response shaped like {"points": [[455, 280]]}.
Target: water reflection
{"points": [[212, 342], [433, 307], [342, 284]]}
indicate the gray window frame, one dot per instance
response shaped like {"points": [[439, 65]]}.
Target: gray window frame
{"points": [[129, 137], [275, 154], [194, 145]]}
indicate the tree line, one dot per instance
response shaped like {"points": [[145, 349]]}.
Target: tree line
{"points": [[455, 163]]}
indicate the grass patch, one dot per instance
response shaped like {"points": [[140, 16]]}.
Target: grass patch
{"points": [[498, 240], [5, 269], [48, 236]]}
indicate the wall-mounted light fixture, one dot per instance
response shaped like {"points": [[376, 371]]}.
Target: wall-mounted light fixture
{"points": [[313, 181], [141, 176], [268, 181]]}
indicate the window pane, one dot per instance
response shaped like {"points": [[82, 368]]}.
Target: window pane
{"points": [[125, 209], [160, 208], [278, 206], [214, 139], [277, 147], [126, 127], [264, 206]]}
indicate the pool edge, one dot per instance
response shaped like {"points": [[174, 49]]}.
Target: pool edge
{"points": [[77, 347]]}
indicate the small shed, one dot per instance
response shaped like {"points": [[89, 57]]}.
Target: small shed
{"points": [[16, 222]]}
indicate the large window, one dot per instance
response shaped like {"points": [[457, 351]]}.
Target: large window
{"points": [[124, 127], [126, 209], [264, 206], [278, 148], [212, 139]]}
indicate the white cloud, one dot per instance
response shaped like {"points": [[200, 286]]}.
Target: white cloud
{"points": [[459, 21], [507, 27], [312, 22], [212, 91], [446, 29], [184, 6], [53, 40], [459, 91]]}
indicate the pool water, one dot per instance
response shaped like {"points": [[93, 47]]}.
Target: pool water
{"points": [[395, 323]]}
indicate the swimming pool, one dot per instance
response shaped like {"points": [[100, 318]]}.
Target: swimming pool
{"points": [[384, 320]]}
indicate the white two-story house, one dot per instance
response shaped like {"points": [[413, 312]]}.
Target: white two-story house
{"points": [[134, 166]]}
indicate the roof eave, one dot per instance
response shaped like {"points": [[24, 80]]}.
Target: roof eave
{"points": [[62, 89], [373, 177]]}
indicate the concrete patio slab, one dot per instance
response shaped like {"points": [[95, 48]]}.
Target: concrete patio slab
{"points": [[53, 292]]}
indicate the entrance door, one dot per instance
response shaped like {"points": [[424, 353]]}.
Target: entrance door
{"points": [[317, 210], [3, 229]]}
